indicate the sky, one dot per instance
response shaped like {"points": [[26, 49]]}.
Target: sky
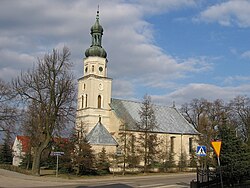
{"points": [[172, 50]]}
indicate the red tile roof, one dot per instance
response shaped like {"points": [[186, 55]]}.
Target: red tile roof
{"points": [[25, 140]]}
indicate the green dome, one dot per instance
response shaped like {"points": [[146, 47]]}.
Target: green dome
{"points": [[96, 28], [96, 48], [96, 51]]}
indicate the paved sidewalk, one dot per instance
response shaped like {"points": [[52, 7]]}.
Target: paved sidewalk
{"points": [[9, 179], [14, 179]]}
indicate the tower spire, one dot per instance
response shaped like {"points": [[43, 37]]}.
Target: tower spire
{"points": [[97, 13], [96, 46]]}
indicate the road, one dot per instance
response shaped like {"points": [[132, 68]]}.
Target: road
{"points": [[179, 180]]}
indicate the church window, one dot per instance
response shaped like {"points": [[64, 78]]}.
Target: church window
{"points": [[86, 101], [172, 144], [86, 69], [133, 140], [82, 101], [84, 86], [99, 101], [190, 145], [93, 68]]}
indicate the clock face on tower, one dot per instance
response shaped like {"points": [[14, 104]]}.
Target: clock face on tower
{"points": [[100, 69], [100, 86]]}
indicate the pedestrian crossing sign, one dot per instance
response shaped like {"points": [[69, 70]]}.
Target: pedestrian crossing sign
{"points": [[201, 151]]}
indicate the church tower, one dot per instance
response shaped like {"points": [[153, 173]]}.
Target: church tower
{"points": [[94, 88]]}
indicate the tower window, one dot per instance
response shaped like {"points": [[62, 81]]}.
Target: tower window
{"points": [[86, 101], [93, 68], [99, 101], [86, 69], [82, 101]]}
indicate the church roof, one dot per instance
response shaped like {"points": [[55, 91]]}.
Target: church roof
{"points": [[168, 119], [99, 135]]}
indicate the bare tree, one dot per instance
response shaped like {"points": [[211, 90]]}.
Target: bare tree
{"points": [[194, 111], [206, 116], [51, 90], [8, 112], [240, 114]]}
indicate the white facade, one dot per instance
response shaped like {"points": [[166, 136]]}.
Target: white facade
{"points": [[94, 94], [18, 153]]}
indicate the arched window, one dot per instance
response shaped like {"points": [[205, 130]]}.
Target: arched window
{"points": [[82, 101], [99, 105], [172, 144], [93, 68], [190, 145], [86, 101]]}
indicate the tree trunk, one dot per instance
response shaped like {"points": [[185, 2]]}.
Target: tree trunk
{"points": [[37, 157], [36, 162], [146, 153]]}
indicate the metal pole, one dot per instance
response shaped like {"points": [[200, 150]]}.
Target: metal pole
{"points": [[221, 181], [57, 160]]}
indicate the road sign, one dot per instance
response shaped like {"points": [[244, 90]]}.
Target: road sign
{"points": [[217, 146], [57, 153], [201, 151]]}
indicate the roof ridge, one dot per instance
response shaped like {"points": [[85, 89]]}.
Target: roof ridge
{"points": [[154, 104]]}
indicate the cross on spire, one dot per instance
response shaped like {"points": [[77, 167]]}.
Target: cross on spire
{"points": [[97, 13]]}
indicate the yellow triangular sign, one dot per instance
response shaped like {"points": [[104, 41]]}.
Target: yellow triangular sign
{"points": [[217, 146]]}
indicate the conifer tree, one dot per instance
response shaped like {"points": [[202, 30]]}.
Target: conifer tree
{"points": [[123, 134], [6, 151], [102, 162], [132, 156], [170, 162], [182, 161], [146, 125], [234, 156], [82, 156]]}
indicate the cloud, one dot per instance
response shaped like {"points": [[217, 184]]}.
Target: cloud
{"points": [[159, 6], [32, 28], [122, 88], [228, 13], [246, 54], [200, 90], [232, 80]]}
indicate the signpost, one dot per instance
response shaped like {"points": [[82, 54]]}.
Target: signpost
{"points": [[217, 146], [201, 151], [57, 154]]}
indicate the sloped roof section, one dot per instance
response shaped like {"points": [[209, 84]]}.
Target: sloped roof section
{"points": [[169, 120], [99, 135], [25, 141]]}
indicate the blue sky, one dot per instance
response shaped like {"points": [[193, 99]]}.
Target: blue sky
{"points": [[173, 50]]}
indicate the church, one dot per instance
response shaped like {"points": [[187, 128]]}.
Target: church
{"points": [[102, 117]]}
